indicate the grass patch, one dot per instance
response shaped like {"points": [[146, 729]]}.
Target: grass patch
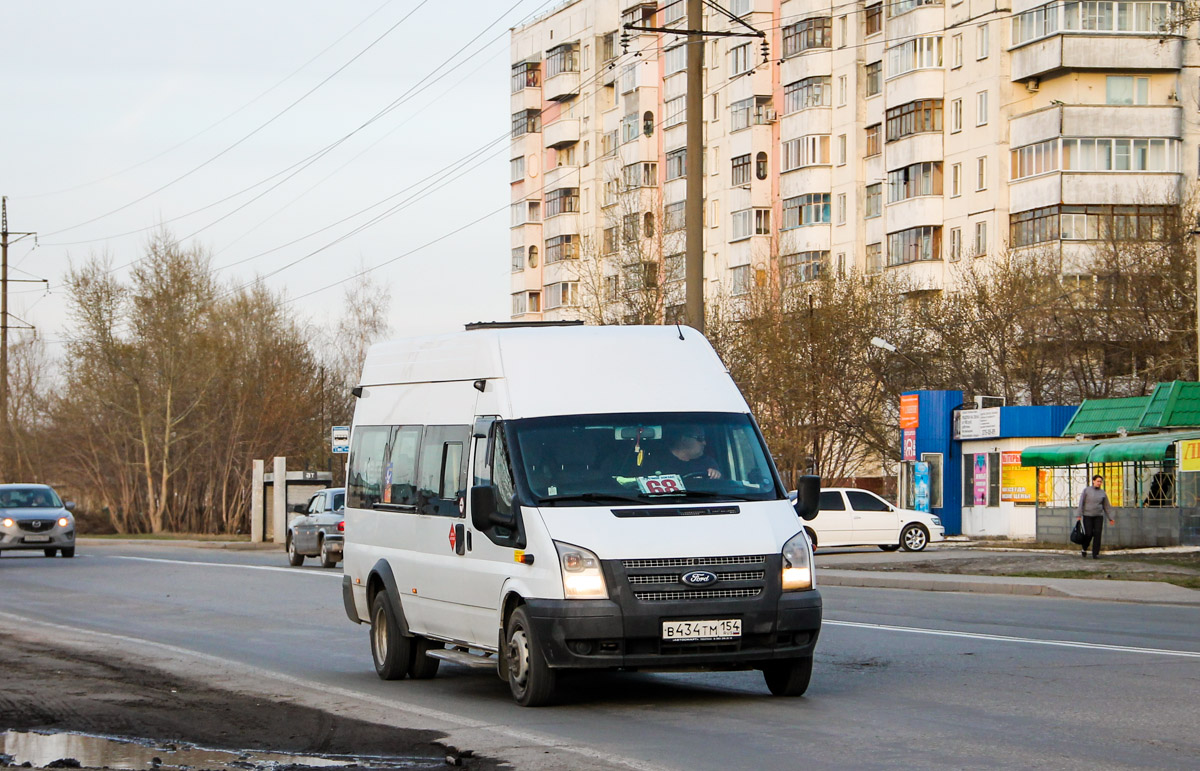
{"points": [[1187, 582]]}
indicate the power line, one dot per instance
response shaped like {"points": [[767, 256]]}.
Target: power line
{"points": [[259, 128]]}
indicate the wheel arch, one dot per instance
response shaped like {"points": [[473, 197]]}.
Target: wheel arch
{"points": [[381, 578]]}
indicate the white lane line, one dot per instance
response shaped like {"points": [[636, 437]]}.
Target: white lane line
{"points": [[293, 571], [219, 663], [1024, 640]]}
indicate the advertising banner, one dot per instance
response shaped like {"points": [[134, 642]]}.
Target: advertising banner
{"points": [[909, 445], [1017, 483], [910, 412], [981, 479], [977, 424], [921, 486], [1189, 455]]}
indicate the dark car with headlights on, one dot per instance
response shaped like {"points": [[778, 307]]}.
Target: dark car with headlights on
{"points": [[34, 517]]}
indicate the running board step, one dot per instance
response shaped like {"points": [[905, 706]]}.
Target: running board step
{"points": [[458, 656]]}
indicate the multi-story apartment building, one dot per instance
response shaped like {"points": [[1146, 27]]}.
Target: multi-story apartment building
{"points": [[897, 136]]}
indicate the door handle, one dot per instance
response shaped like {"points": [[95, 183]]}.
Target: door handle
{"points": [[460, 539]]}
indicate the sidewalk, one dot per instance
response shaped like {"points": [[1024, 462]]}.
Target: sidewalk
{"points": [[1153, 592]]}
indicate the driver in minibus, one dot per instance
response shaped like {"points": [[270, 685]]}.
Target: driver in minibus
{"points": [[687, 454]]}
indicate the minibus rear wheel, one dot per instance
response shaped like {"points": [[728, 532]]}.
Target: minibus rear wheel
{"points": [[530, 678], [423, 666], [390, 649], [789, 677]]}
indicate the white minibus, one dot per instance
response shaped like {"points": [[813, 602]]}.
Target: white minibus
{"points": [[539, 498]]}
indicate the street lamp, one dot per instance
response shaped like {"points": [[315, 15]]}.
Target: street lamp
{"points": [[879, 342]]}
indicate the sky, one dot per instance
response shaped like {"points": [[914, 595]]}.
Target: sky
{"points": [[276, 134]]}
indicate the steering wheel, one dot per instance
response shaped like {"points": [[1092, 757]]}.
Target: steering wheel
{"points": [[694, 475]]}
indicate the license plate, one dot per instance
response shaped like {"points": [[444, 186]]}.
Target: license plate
{"points": [[37, 539], [719, 629]]}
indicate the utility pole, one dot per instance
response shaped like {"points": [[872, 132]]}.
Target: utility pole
{"points": [[694, 207], [5, 429]]}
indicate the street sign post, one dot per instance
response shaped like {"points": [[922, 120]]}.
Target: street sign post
{"points": [[341, 440]]}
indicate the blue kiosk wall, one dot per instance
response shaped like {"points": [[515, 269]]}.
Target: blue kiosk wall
{"points": [[934, 435]]}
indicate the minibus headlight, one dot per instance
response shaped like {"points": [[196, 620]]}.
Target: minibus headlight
{"points": [[797, 564], [582, 577]]}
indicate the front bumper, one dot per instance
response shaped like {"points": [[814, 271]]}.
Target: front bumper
{"points": [[625, 632], [13, 538]]}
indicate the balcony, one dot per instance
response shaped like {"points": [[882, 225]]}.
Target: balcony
{"points": [[1077, 188], [564, 85], [1096, 121], [561, 133], [1095, 52]]}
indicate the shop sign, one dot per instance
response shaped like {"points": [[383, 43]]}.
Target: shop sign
{"points": [[910, 411], [1189, 455], [978, 424], [1017, 483], [909, 445], [981, 479]]}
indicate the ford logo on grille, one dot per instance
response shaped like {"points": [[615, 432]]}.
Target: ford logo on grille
{"points": [[698, 578]]}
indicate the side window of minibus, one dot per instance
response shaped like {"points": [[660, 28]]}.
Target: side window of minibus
{"points": [[368, 451], [440, 479]]}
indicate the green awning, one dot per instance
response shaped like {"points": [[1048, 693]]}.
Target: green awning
{"points": [[1127, 449], [1067, 454]]}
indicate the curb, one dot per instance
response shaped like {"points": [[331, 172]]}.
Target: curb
{"points": [[192, 544], [1143, 592]]}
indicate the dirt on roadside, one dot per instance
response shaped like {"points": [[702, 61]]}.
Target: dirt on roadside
{"points": [[47, 688], [1179, 568]]}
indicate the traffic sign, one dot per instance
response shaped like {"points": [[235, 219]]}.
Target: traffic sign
{"points": [[341, 440]]}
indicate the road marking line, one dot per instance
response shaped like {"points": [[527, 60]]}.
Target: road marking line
{"points": [[293, 571], [416, 710], [1025, 640]]}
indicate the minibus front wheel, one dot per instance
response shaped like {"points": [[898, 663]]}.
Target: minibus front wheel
{"points": [[390, 649], [530, 678], [789, 677]]}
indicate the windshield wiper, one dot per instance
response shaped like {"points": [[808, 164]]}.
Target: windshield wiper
{"points": [[591, 498], [696, 494]]}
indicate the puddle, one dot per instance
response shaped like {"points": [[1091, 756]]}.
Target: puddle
{"points": [[43, 750]]}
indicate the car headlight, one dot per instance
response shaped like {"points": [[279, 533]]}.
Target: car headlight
{"points": [[936, 520], [797, 564], [63, 521], [582, 577], [7, 522]]}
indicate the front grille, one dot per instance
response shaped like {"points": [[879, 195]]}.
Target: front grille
{"points": [[747, 575], [692, 562], [697, 594], [36, 525]]}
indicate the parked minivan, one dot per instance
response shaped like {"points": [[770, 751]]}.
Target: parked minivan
{"points": [[541, 498]]}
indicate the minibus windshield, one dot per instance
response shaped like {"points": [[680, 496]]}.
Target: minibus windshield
{"points": [[639, 458]]}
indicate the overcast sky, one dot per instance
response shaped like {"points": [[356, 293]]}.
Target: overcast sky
{"points": [[107, 102]]}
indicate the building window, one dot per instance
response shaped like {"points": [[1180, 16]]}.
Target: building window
{"points": [[526, 122], [1135, 18], [674, 216], [956, 57], [750, 222], [518, 259], [980, 247], [1127, 90], [873, 15], [740, 60], [674, 268], [803, 266], [519, 305], [804, 210], [981, 108], [844, 32], [676, 111], [874, 259], [981, 173], [740, 280], [956, 116], [841, 149], [841, 209], [629, 78], [754, 111], [563, 58], [916, 180], [559, 248], [1031, 160], [873, 201], [807, 34], [561, 294], [525, 212], [956, 180], [806, 151], [982, 41], [609, 241], [741, 169], [526, 75], [1090, 223], [675, 59], [642, 174], [608, 46], [535, 301], [674, 10], [874, 78], [564, 200], [738, 8], [676, 164], [921, 244], [904, 6], [919, 117], [841, 90], [874, 145], [809, 92], [516, 169], [955, 244], [760, 166], [630, 229], [915, 54]]}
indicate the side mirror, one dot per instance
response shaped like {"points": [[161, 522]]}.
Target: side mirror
{"points": [[299, 508], [484, 514], [69, 505], [808, 497]]}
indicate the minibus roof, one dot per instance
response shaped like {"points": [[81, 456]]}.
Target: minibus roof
{"points": [[568, 370]]}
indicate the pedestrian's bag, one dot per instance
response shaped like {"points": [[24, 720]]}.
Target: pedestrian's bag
{"points": [[1077, 535]]}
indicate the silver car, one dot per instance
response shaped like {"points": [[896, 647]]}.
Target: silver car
{"points": [[34, 517], [319, 528]]}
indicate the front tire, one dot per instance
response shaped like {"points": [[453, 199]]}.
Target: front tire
{"points": [[812, 537], [50, 552], [789, 677], [295, 558], [68, 552], [530, 678], [914, 537], [423, 667], [390, 649], [328, 558]]}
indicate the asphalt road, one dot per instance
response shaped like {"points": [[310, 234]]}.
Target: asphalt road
{"points": [[902, 678]]}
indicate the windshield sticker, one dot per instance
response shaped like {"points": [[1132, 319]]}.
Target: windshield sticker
{"points": [[663, 484]]}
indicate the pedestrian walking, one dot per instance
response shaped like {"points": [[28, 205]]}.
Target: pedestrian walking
{"points": [[1093, 509]]}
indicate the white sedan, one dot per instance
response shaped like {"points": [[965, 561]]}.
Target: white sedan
{"points": [[850, 517]]}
